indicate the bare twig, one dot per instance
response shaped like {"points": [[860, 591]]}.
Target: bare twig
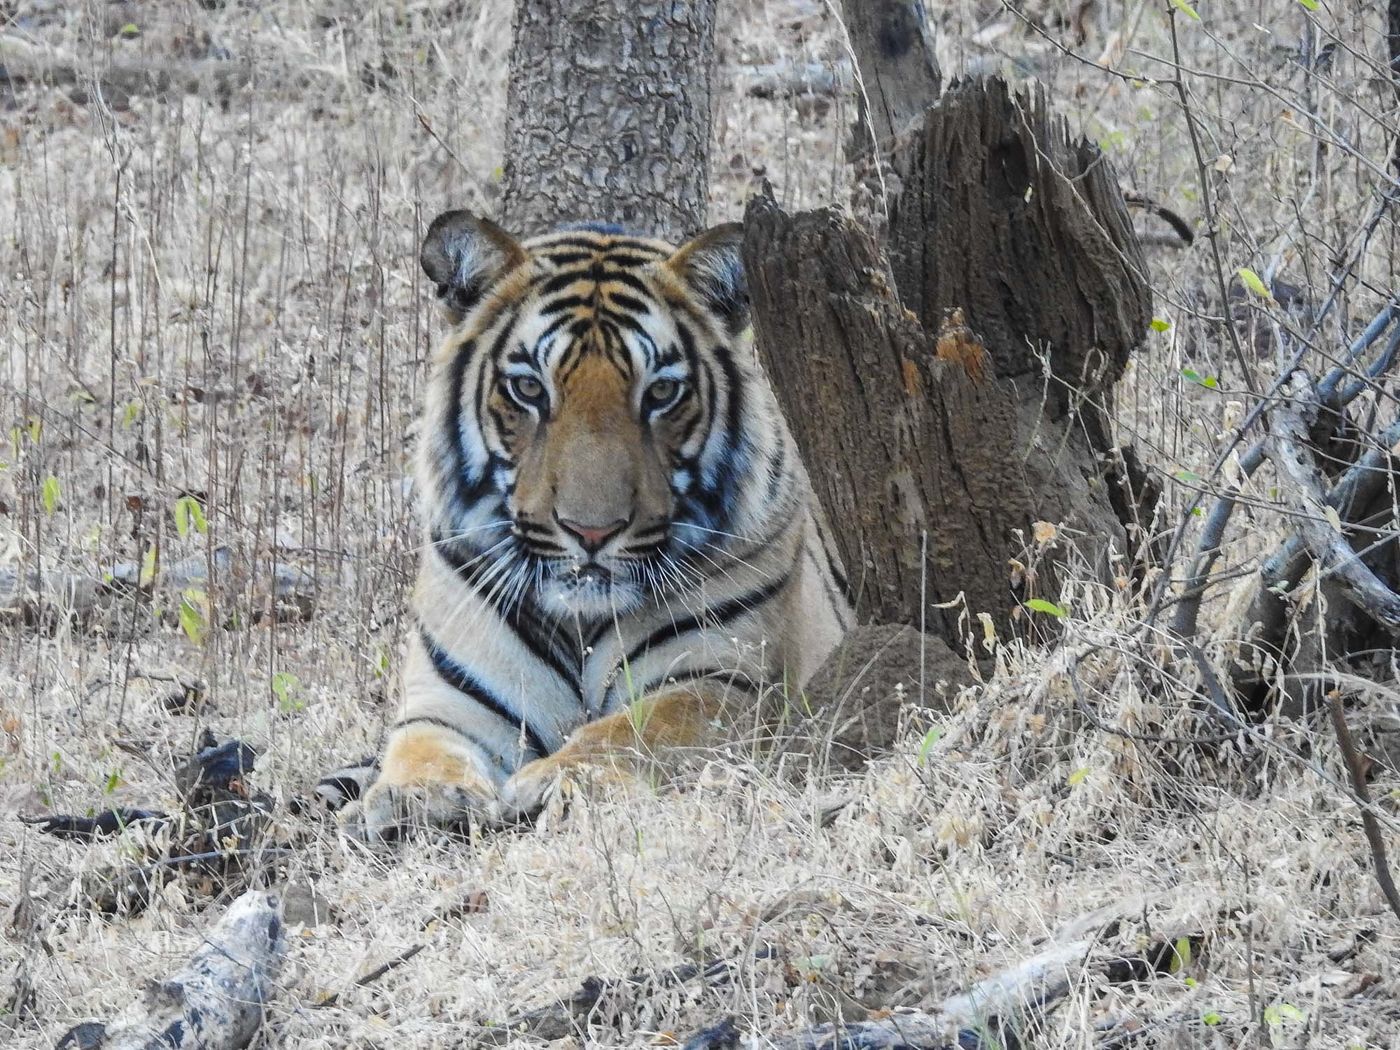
{"points": [[1208, 203], [1368, 818], [374, 975]]}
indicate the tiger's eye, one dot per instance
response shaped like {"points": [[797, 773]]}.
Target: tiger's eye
{"points": [[525, 389], [662, 394]]}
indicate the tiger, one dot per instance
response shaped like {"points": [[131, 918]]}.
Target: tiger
{"points": [[621, 551]]}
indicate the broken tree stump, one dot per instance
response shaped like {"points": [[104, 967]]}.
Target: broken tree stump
{"points": [[949, 399]]}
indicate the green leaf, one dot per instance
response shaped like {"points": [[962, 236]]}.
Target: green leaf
{"points": [[1160, 324], [1311, 5], [113, 780], [809, 965], [1187, 476], [926, 745], [287, 688], [50, 494], [1191, 375], [1040, 605], [1186, 9], [130, 29], [189, 512], [130, 414], [1077, 777], [1283, 1013], [191, 615], [149, 568], [1212, 1018], [1254, 283], [1181, 955]]}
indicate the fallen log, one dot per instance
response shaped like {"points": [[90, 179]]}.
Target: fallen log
{"points": [[217, 1001]]}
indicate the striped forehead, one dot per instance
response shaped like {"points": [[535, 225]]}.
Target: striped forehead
{"points": [[591, 294]]}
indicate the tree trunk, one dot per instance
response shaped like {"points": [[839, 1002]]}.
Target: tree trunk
{"points": [[932, 473], [899, 76], [608, 115]]}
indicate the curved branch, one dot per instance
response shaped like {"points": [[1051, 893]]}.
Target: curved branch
{"points": [[1300, 482], [1354, 389], [1327, 389], [1208, 549]]}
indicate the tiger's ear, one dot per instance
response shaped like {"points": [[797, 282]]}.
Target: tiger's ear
{"points": [[711, 264], [463, 255]]}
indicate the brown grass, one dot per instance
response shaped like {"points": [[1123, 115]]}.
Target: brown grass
{"points": [[216, 294]]}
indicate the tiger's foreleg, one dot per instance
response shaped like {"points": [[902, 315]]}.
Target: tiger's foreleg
{"points": [[647, 734]]}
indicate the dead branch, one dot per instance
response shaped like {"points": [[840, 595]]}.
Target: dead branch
{"points": [[1353, 490], [1328, 388], [216, 1002], [996, 1006], [374, 975], [1369, 824], [1301, 485]]}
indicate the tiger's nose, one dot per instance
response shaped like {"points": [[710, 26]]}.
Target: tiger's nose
{"points": [[593, 537]]}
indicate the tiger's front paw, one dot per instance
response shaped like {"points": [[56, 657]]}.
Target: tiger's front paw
{"points": [[424, 782], [534, 784]]}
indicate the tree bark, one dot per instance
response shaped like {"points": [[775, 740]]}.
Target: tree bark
{"points": [[899, 76], [608, 115], [1005, 217], [932, 475]]}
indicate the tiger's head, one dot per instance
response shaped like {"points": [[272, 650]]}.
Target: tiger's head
{"points": [[594, 429]]}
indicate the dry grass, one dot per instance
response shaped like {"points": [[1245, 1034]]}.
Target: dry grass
{"points": [[215, 294]]}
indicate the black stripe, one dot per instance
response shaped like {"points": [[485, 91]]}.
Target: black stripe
{"points": [[522, 618], [842, 583], [828, 585], [713, 618], [469, 488], [564, 258], [604, 242], [559, 281], [631, 280], [563, 303], [627, 259], [731, 679], [462, 680], [630, 303]]}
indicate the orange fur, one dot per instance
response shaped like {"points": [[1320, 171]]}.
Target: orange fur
{"points": [[417, 756], [642, 734]]}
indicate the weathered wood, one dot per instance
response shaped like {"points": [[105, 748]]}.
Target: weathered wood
{"points": [[1302, 486], [932, 480], [989, 1013], [1004, 216], [899, 76], [608, 115], [216, 1001]]}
